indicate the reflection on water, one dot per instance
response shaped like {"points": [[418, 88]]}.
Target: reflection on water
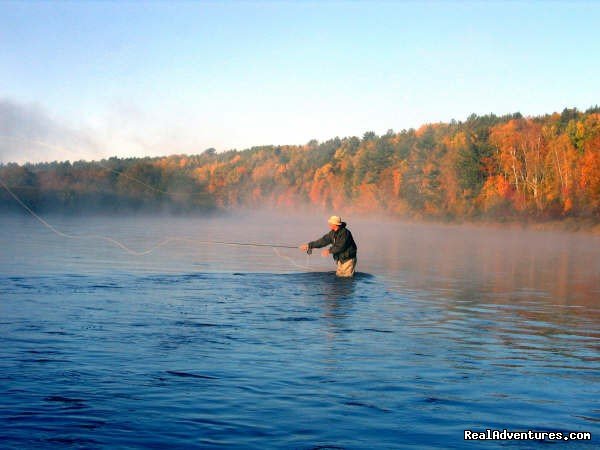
{"points": [[507, 264], [443, 329]]}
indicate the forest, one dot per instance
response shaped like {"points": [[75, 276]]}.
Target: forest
{"points": [[487, 167]]}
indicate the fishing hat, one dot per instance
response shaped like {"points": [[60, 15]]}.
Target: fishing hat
{"points": [[335, 220]]}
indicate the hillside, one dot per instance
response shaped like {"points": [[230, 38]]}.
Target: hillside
{"points": [[499, 168]]}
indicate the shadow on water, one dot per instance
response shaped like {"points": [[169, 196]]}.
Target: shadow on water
{"points": [[324, 283], [334, 296], [315, 284], [304, 276]]}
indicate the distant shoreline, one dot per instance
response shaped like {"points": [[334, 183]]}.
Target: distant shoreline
{"points": [[539, 172], [567, 225]]}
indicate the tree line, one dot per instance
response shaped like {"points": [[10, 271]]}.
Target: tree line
{"points": [[493, 167]]}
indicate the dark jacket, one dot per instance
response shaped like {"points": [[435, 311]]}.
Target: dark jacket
{"points": [[342, 248]]}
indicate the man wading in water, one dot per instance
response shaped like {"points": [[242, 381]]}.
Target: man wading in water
{"points": [[342, 247]]}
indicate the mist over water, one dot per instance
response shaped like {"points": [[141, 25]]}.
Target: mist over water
{"points": [[445, 328], [559, 267]]}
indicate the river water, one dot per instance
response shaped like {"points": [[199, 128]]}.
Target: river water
{"points": [[198, 345]]}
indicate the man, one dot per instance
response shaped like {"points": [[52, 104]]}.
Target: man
{"points": [[342, 247]]}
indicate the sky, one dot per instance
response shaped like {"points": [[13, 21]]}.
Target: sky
{"points": [[89, 80]]}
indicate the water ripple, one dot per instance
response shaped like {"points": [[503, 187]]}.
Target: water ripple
{"points": [[283, 360]]}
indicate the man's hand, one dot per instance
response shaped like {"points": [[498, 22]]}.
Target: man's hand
{"points": [[304, 247], [325, 252]]}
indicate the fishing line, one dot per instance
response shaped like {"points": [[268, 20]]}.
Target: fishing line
{"points": [[123, 246], [294, 263], [73, 236]]}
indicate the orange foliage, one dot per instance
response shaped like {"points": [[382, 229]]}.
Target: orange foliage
{"points": [[590, 174], [495, 194], [366, 200], [522, 154], [547, 166]]}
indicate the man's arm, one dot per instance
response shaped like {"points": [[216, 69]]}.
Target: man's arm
{"points": [[325, 240]]}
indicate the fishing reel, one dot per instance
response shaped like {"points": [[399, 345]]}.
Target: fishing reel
{"points": [[309, 251]]}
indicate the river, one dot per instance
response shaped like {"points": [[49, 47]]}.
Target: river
{"points": [[202, 345]]}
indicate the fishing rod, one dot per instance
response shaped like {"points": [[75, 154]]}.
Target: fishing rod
{"points": [[252, 244]]}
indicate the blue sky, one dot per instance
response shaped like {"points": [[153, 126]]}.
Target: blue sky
{"points": [[94, 79]]}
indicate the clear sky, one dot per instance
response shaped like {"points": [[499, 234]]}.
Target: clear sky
{"points": [[155, 78]]}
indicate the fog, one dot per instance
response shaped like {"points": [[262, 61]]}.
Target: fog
{"points": [[463, 262]]}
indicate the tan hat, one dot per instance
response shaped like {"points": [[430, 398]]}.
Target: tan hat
{"points": [[335, 220]]}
